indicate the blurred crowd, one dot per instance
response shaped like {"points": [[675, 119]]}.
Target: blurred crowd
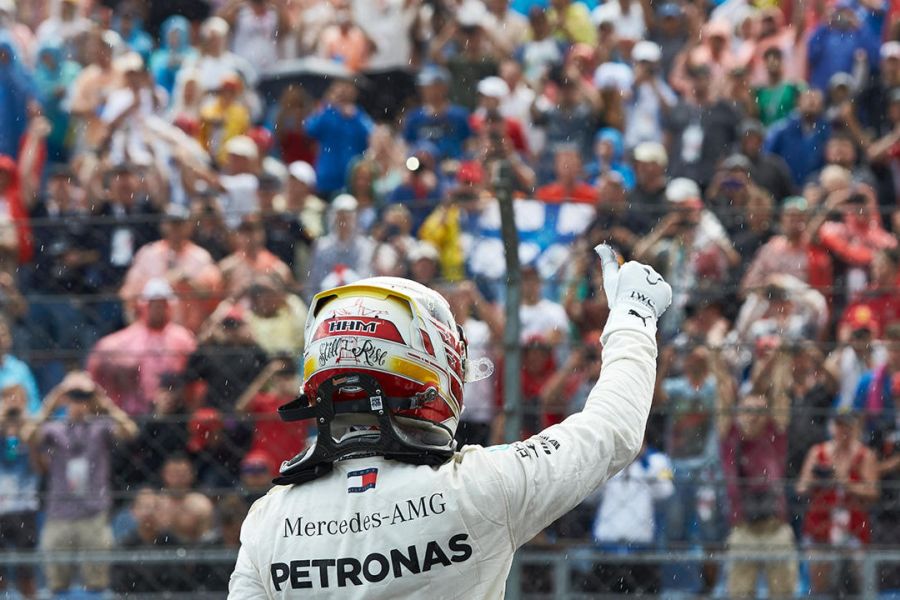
{"points": [[178, 179]]}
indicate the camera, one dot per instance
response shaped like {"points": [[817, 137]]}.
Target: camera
{"points": [[823, 472]]}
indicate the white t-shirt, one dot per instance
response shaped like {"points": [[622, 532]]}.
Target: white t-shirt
{"points": [[239, 198], [543, 319], [631, 26], [387, 23], [255, 38], [626, 510]]}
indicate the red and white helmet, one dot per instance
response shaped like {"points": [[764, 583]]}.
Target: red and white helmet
{"points": [[385, 354]]}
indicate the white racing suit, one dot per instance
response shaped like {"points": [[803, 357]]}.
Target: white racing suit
{"points": [[374, 528]]}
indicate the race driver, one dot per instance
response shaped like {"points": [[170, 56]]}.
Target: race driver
{"points": [[383, 505]]}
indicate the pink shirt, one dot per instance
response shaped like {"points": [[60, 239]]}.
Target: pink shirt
{"points": [[192, 273], [128, 363]]}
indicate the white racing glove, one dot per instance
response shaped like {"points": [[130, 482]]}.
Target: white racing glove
{"points": [[637, 295]]}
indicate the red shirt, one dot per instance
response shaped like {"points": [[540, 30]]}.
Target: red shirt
{"points": [[825, 500], [272, 436], [556, 193]]}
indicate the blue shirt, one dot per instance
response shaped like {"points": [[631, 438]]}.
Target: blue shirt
{"points": [[447, 131], [831, 50], [341, 139], [691, 437], [18, 481], [803, 151], [15, 372]]}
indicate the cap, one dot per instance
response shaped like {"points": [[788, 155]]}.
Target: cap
{"points": [[230, 81], [646, 51], [737, 162], [749, 126], [470, 172], [601, 17], [256, 461], [861, 317], [845, 414], [432, 75], [423, 250], [493, 87], [303, 172], [177, 212], [612, 75], [203, 422], [684, 191], [130, 62], [471, 13], [670, 9], [797, 203], [344, 202], [651, 152], [241, 145], [157, 289], [840, 79], [890, 50]]}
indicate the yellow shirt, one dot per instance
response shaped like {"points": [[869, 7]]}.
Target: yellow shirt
{"points": [[219, 123], [577, 21]]}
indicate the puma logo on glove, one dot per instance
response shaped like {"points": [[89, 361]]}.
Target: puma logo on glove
{"points": [[633, 288], [643, 319]]}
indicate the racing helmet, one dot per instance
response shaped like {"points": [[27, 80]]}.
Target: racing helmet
{"points": [[384, 368]]}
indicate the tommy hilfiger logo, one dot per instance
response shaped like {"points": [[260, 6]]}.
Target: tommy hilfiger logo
{"points": [[360, 481]]}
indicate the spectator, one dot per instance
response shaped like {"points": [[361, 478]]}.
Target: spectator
{"points": [[192, 525], [162, 435], [543, 51], [343, 246], [571, 22], [778, 96], [250, 258], [20, 92], [652, 97], [840, 480], [696, 149], [15, 372], [54, 75], [692, 402], [835, 45], [668, 30], [342, 130], [292, 143], [767, 170], [713, 56], [276, 316], [216, 447], [878, 302], [791, 253], [689, 225], [256, 475], [225, 117], [437, 121], [878, 400], [754, 453], [215, 63], [130, 362], [626, 523], [301, 199], [256, 28], [227, 357], [493, 94], [800, 138], [187, 267], [19, 500], [569, 185], [174, 51], [92, 86], [76, 453], [540, 316], [856, 238], [66, 26], [273, 440], [876, 97], [149, 533], [344, 42], [362, 183], [609, 153], [649, 192]]}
